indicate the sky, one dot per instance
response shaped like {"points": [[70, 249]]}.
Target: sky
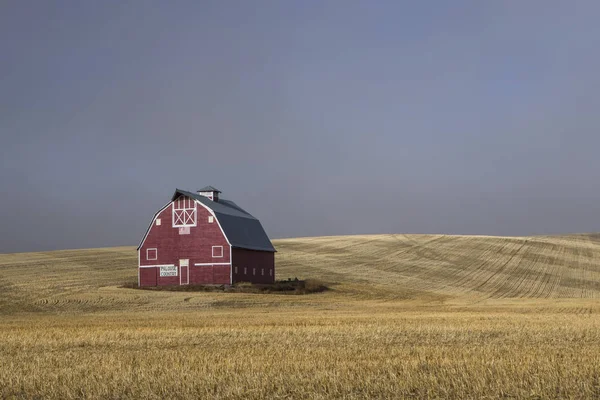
{"points": [[318, 117]]}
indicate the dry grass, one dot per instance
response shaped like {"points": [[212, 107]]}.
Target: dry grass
{"points": [[408, 316]]}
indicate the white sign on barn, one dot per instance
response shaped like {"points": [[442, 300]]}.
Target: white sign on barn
{"points": [[169, 270]]}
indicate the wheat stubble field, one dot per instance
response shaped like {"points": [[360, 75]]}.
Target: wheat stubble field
{"points": [[408, 316]]}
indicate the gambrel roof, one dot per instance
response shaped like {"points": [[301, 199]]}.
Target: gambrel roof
{"points": [[239, 226]]}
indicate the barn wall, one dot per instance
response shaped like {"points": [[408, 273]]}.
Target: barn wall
{"points": [[210, 274], [196, 246], [148, 276], [253, 260]]}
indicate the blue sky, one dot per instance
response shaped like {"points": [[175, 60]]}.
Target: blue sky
{"points": [[320, 118]]}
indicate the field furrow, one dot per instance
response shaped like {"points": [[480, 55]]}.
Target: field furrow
{"points": [[385, 267], [406, 316]]}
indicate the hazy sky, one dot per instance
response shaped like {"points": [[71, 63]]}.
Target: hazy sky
{"points": [[319, 117]]}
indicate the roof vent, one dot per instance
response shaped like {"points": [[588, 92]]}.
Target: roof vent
{"points": [[210, 192]]}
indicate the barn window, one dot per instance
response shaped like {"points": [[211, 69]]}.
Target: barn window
{"points": [[157, 221], [245, 270], [151, 254], [217, 251], [184, 212], [211, 219], [253, 271], [262, 271], [270, 272], [235, 270]]}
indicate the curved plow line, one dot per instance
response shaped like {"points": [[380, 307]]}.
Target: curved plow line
{"points": [[393, 276], [561, 262], [363, 260], [556, 273], [580, 276], [447, 262], [357, 254], [406, 265], [544, 288], [417, 281], [511, 288], [568, 264], [419, 254], [514, 277], [586, 257], [494, 268], [532, 280], [481, 249], [540, 284], [494, 276], [571, 272], [389, 255], [422, 250], [414, 246], [526, 271], [320, 264], [352, 243], [428, 277], [589, 252], [489, 259], [585, 275], [439, 277], [450, 244], [516, 289], [533, 277], [427, 269]]}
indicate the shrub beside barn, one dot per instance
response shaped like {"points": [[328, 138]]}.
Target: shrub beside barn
{"points": [[200, 238]]}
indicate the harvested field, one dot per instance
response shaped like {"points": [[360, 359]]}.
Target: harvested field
{"points": [[414, 316]]}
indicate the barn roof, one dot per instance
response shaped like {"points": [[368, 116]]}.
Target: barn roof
{"points": [[241, 228], [209, 189]]}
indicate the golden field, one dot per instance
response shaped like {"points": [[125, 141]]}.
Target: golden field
{"points": [[408, 316]]}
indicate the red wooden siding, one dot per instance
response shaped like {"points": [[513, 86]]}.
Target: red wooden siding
{"points": [[255, 263], [213, 274], [196, 246], [148, 276]]}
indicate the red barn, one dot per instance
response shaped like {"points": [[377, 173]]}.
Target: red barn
{"points": [[200, 238]]}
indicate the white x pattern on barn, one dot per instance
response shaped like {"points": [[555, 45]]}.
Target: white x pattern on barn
{"points": [[184, 212]]}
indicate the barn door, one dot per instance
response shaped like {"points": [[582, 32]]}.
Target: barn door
{"points": [[184, 272]]}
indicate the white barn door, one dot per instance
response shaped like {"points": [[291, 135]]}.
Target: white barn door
{"points": [[184, 272]]}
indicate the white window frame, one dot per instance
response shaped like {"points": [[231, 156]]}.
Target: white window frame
{"points": [[211, 219], [213, 251], [188, 208], [157, 221], [155, 254]]}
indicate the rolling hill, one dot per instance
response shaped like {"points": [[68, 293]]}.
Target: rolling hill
{"points": [[408, 316], [376, 267]]}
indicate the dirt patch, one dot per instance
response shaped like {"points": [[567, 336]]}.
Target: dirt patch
{"points": [[290, 286]]}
